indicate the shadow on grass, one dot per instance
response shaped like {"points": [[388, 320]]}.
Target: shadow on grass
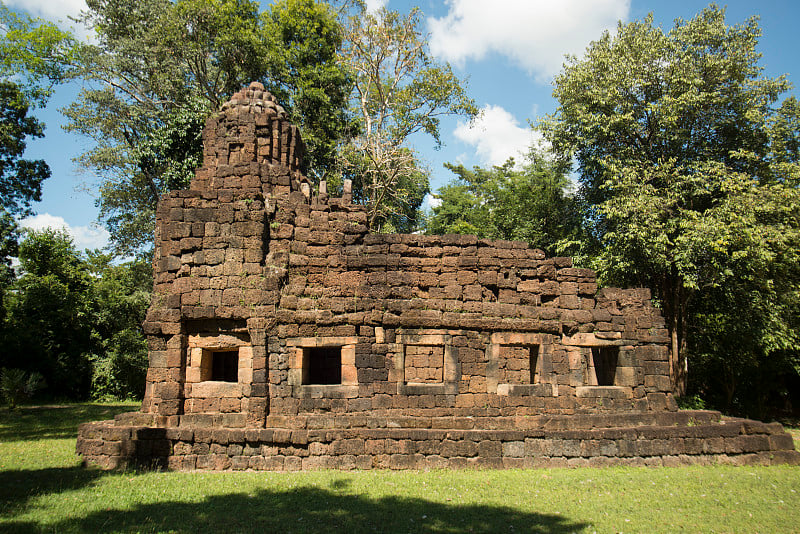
{"points": [[54, 422], [18, 486], [308, 510]]}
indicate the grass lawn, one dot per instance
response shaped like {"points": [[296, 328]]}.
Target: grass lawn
{"points": [[44, 489], [795, 432]]}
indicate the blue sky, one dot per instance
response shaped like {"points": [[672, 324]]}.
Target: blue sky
{"points": [[508, 50]]}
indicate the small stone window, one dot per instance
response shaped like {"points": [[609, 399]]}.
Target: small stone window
{"points": [[533, 360], [219, 368], [224, 365], [425, 363], [600, 368], [520, 364], [322, 365], [605, 364]]}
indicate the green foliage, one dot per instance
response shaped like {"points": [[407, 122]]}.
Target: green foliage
{"points": [[50, 313], [743, 340], [20, 179], [691, 402], [8, 249], [395, 207], [119, 364], [304, 39], [400, 91], [77, 320], [527, 203], [160, 69], [688, 163], [35, 54], [16, 385]]}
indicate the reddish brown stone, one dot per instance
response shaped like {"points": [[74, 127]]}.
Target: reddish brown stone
{"points": [[273, 305]]}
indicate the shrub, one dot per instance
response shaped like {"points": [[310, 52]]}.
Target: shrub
{"points": [[16, 384]]}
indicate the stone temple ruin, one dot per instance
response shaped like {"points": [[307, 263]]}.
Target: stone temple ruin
{"points": [[283, 336]]}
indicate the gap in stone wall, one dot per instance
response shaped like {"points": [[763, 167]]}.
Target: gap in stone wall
{"points": [[224, 365], [322, 365], [605, 365]]}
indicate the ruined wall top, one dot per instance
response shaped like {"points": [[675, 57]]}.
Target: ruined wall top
{"points": [[250, 133], [256, 100]]}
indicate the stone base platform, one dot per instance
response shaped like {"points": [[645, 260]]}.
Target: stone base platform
{"points": [[389, 442]]}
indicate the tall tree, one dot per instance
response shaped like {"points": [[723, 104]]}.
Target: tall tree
{"points": [[160, 68], [400, 91], [743, 339], [20, 179], [686, 158], [528, 203], [51, 311], [34, 55], [119, 358], [77, 319]]}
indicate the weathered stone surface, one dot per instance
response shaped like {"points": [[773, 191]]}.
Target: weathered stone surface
{"points": [[284, 335]]}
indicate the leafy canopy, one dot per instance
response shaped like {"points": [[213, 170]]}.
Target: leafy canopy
{"points": [[160, 68], [34, 55], [528, 202], [400, 91], [687, 159], [76, 319]]}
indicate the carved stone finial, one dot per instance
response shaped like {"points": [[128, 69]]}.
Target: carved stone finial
{"points": [[251, 130]]}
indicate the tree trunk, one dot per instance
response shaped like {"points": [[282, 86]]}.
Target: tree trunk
{"points": [[674, 310]]}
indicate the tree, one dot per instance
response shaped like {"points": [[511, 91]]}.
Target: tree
{"points": [[160, 69], [20, 179], [122, 292], [743, 340], [687, 162], [77, 319], [8, 250], [34, 55], [400, 91], [51, 314], [528, 203], [305, 39]]}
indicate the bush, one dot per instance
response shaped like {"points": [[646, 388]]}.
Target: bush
{"points": [[16, 384], [691, 402]]}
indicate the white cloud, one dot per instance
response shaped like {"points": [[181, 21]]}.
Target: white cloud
{"points": [[533, 33], [496, 135], [83, 236], [375, 5], [56, 11], [430, 202]]}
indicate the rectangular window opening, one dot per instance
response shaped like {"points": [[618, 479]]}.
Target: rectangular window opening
{"points": [[322, 365], [605, 364], [225, 365], [534, 360]]}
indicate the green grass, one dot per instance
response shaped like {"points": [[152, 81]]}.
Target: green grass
{"points": [[795, 432], [43, 489]]}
